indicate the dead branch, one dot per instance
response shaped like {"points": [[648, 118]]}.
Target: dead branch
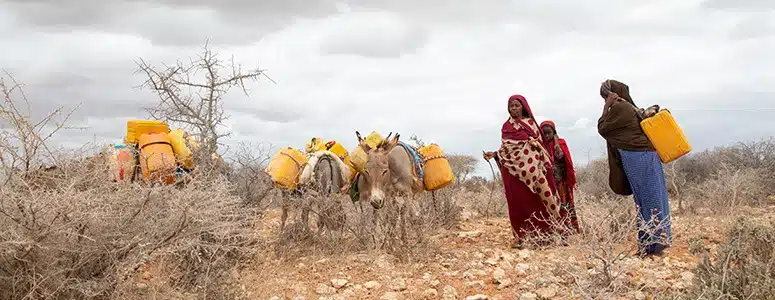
{"points": [[192, 93]]}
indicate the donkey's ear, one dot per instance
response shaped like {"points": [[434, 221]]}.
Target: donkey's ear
{"points": [[383, 144], [391, 143], [366, 148]]}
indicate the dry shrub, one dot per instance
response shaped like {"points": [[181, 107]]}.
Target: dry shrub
{"points": [[607, 246], [249, 180], [743, 268], [609, 226], [729, 187], [71, 242], [593, 179], [753, 155], [488, 201]]}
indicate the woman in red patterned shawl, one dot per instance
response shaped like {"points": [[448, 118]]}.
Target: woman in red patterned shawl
{"points": [[564, 174], [526, 168]]}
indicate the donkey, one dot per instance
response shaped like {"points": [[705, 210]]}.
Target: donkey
{"points": [[389, 175], [325, 179]]}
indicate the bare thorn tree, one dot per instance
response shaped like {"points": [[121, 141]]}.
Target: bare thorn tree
{"points": [[462, 166], [191, 93], [23, 139]]}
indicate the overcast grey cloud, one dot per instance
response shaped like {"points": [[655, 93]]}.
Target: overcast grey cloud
{"points": [[439, 69]]}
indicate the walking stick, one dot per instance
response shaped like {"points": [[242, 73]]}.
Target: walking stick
{"points": [[492, 189]]}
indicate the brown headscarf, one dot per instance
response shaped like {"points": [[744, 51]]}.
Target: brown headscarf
{"points": [[617, 87], [620, 127]]}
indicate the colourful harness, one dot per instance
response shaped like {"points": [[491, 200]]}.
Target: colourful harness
{"points": [[418, 162]]}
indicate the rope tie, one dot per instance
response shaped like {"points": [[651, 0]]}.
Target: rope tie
{"points": [[300, 165], [426, 159]]}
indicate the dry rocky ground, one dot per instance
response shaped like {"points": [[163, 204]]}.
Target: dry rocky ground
{"points": [[475, 262]]}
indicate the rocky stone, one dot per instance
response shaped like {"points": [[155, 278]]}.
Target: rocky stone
{"points": [[435, 283], [390, 296], [498, 275], [299, 288], [430, 294], [372, 285], [427, 276], [276, 298], [506, 265], [547, 292], [398, 285], [522, 269], [477, 297], [638, 295], [349, 293], [468, 275], [528, 296], [524, 254], [492, 262], [506, 283], [338, 283], [384, 262], [324, 289], [479, 256], [299, 297], [449, 292], [477, 285], [451, 274], [506, 256], [687, 276]]}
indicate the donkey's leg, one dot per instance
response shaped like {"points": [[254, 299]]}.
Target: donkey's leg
{"points": [[284, 214], [305, 206], [402, 217]]}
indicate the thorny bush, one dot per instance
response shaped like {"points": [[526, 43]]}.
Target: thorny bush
{"points": [[743, 268], [88, 241]]}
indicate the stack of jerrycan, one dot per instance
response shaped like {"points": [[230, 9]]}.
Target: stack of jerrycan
{"points": [[666, 136], [358, 157], [286, 166], [436, 168]]}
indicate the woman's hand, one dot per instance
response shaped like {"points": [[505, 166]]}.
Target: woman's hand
{"points": [[558, 151], [611, 99], [488, 155]]}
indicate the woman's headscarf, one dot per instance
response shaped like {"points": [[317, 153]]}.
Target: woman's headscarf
{"points": [[510, 131], [617, 87], [570, 172]]}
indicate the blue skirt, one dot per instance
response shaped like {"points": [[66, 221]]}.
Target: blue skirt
{"points": [[647, 180]]}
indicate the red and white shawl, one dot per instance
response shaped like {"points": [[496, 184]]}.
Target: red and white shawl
{"points": [[524, 156]]}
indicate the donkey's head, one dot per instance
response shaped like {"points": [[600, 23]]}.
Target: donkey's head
{"points": [[376, 182]]}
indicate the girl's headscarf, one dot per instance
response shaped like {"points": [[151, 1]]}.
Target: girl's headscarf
{"points": [[570, 172]]}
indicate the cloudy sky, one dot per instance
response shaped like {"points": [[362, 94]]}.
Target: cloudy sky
{"points": [[442, 70]]}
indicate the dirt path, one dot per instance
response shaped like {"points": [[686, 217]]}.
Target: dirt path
{"points": [[476, 260]]}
